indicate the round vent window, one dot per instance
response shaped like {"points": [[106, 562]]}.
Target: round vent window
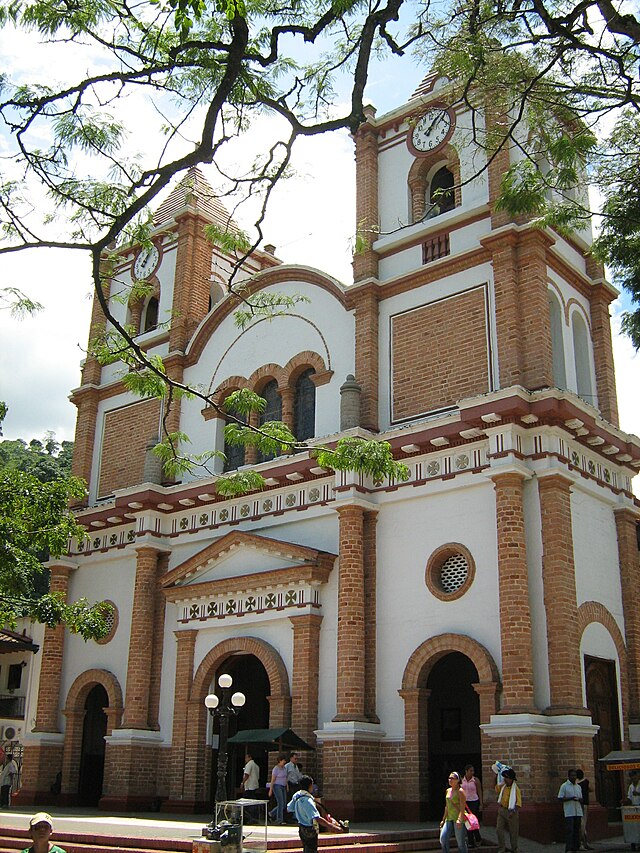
{"points": [[450, 571], [112, 624]]}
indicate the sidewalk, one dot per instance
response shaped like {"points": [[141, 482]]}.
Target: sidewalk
{"points": [[186, 827]]}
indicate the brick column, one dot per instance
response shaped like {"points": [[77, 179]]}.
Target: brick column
{"points": [[136, 706], [600, 298], [186, 642], [370, 618], [192, 279], [91, 369], [416, 751], [350, 687], [86, 400], [626, 522], [515, 613], [157, 649], [534, 300], [504, 260], [287, 394], [365, 264], [559, 584], [52, 655], [305, 676], [365, 301]]}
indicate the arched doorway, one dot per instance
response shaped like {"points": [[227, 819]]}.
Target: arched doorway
{"points": [[453, 724], [249, 677], [94, 729]]}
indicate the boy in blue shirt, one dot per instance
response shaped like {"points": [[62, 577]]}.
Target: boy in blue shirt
{"points": [[304, 807]]}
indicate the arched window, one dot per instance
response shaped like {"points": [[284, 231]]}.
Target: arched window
{"points": [[304, 406], [234, 453], [272, 411], [441, 194], [216, 293], [581, 357], [557, 343], [150, 318]]}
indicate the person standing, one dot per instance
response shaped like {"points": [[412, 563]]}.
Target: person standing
{"points": [[278, 787], [586, 790], [570, 795], [303, 806], [250, 777], [473, 792], [453, 818], [8, 777], [40, 829], [509, 802], [633, 794]]}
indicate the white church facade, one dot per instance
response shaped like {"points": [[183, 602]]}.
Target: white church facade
{"points": [[487, 608]]}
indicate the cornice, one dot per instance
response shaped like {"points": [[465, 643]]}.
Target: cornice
{"points": [[314, 575]]}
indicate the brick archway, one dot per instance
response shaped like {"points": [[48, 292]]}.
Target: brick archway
{"points": [[593, 611], [195, 767], [415, 694], [74, 713]]}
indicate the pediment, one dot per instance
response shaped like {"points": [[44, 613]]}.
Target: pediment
{"points": [[239, 555]]}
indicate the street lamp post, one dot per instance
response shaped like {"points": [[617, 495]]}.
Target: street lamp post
{"points": [[224, 708]]}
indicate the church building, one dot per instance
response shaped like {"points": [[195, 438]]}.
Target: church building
{"points": [[485, 609]]}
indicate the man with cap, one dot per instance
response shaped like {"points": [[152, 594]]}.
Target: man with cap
{"points": [[509, 801], [40, 829]]}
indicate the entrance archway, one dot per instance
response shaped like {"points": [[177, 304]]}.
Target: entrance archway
{"points": [[437, 728], [94, 729], [453, 722], [249, 677]]}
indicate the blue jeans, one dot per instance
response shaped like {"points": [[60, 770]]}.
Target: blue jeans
{"points": [[280, 793], [448, 829]]}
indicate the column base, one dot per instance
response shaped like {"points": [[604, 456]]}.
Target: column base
{"points": [[131, 771]]}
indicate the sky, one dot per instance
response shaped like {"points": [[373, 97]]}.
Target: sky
{"points": [[311, 221]]}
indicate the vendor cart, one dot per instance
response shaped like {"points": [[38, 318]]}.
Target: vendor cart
{"points": [[624, 761]]}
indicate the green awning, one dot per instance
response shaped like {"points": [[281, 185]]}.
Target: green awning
{"points": [[272, 739]]}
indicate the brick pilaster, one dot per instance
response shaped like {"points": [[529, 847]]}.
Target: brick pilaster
{"points": [[534, 300], [367, 320], [603, 352], [91, 369], [626, 522], [416, 749], [52, 656], [515, 613], [559, 584], [287, 395], [86, 400], [157, 650], [192, 281], [350, 686], [365, 264], [186, 642], [136, 706], [305, 678], [370, 618]]}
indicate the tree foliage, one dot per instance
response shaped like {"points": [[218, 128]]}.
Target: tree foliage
{"points": [[555, 82], [36, 524]]}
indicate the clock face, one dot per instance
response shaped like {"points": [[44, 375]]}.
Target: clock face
{"points": [[432, 129], [147, 262]]}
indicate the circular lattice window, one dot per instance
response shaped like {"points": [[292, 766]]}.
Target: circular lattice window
{"points": [[450, 571], [112, 624]]}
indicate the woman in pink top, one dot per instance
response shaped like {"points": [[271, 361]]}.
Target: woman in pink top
{"points": [[473, 791]]}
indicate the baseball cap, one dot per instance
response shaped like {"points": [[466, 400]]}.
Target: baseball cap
{"points": [[41, 817]]}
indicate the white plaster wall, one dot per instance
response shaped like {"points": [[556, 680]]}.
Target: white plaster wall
{"points": [[418, 296], [595, 552], [540, 649], [409, 531], [98, 579], [36, 631]]}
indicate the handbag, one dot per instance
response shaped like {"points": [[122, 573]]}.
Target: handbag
{"points": [[471, 821]]}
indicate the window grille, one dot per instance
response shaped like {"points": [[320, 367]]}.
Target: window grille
{"points": [[454, 572]]}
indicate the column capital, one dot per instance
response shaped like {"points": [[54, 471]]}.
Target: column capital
{"points": [[306, 619]]}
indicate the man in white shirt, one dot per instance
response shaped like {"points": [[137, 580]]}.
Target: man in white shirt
{"points": [[570, 795], [250, 777]]}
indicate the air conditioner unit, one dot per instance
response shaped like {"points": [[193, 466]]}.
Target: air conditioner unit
{"points": [[10, 732]]}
